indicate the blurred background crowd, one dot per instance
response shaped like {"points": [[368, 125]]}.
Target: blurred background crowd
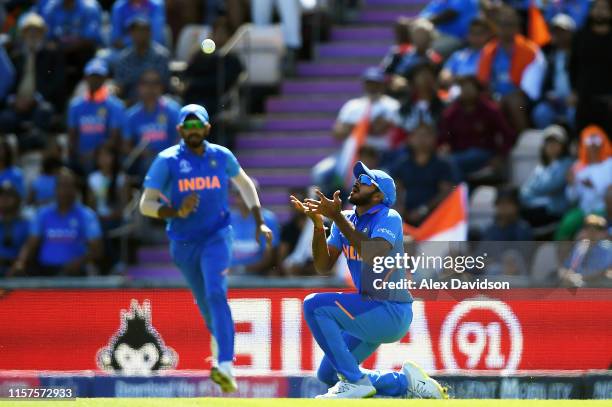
{"points": [[512, 99]]}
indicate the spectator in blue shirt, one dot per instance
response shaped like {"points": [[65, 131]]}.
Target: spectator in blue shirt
{"points": [[93, 119], [75, 25], [250, 253], [14, 228], [543, 193], [423, 178], [152, 121], [578, 10], [464, 62], [590, 260], [142, 55], [123, 13], [508, 225], [9, 172], [452, 20], [64, 236], [7, 73]]}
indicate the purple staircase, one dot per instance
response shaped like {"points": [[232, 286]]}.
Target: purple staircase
{"points": [[296, 131]]}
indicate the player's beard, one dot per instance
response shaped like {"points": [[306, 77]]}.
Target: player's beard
{"points": [[362, 200], [194, 141]]}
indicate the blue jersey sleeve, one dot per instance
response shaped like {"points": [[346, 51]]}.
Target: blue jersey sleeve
{"points": [[451, 63], [92, 22], [73, 115], [158, 175], [388, 227], [158, 22], [36, 224], [127, 131], [117, 21], [173, 120], [92, 225], [117, 114], [335, 237], [232, 167]]}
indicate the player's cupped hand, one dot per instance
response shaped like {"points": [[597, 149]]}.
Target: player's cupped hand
{"points": [[329, 208], [189, 204], [302, 207]]}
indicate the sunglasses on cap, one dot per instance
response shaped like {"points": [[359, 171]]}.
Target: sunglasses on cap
{"points": [[593, 140], [192, 124], [365, 179]]}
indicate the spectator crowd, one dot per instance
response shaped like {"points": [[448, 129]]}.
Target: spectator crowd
{"points": [[464, 82]]}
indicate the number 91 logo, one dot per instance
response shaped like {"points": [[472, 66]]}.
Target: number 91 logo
{"points": [[478, 341]]}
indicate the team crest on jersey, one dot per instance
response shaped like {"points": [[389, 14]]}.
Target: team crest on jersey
{"points": [[161, 119], [185, 166], [213, 163], [136, 348], [101, 112], [365, 230], [73, 223]]}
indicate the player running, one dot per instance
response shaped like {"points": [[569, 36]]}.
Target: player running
{"points": [[350, 326], [188, 173]]}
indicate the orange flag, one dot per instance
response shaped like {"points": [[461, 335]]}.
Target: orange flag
{"points": [[537, 29], [448, 222]]}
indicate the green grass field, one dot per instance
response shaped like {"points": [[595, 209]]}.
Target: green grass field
{"points": [[233, 402]]}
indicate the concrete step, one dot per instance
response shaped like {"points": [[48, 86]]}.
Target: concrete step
{"points": [[287, 179], [289, 123], [285, 142], [341, 34], [331, 86], [394, 3], [386, 16], [314, 69], [264, 159], [354, 49], [305, 104]]}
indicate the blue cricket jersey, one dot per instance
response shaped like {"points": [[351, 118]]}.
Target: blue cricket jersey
{"points": [[64, 236], [158, 127], [94, 119], [378, 222], [177, 172]]}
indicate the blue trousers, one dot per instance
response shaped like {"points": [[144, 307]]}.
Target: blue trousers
{"points": [[349, 328], [205, 265]]}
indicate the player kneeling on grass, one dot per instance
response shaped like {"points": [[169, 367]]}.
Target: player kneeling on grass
{"points": [[350, 326], [188, 173]]}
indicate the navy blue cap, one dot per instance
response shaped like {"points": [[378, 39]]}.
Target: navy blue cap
{"points": [[373, 74], [196, 110], [96, 66], [383, 181]]}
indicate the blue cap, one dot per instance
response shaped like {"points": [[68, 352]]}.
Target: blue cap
{"points": [[96, 67], [196, 110], [383, 181], [140, 19], [373, 74]]}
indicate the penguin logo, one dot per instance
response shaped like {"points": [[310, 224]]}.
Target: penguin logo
{"points": [[137, 348]]}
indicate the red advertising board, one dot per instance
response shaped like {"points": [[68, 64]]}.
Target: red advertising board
{"points": [[70, 330]]}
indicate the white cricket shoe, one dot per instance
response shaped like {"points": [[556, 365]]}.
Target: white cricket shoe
{"points": [[345, 390], [223, 375], [420, 385]]}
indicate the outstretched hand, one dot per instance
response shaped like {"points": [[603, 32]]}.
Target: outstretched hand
{"points": [[329, 208], [301, 206]]}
